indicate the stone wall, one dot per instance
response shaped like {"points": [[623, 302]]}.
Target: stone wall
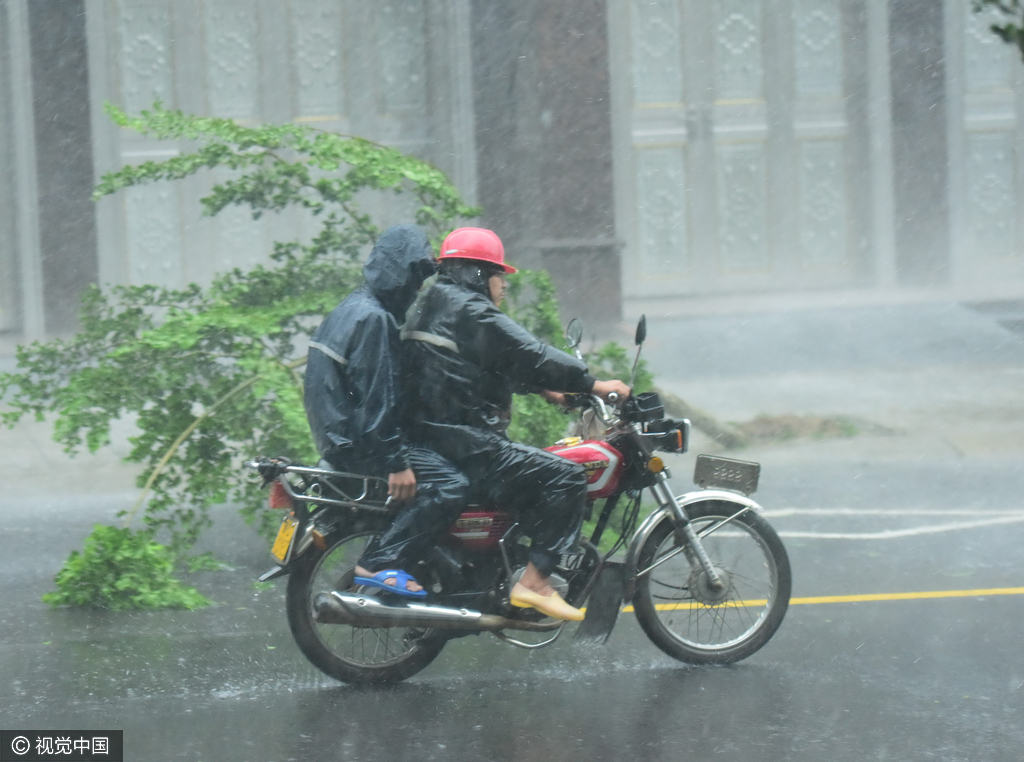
{"points": [[64, 167], [9, 307]]}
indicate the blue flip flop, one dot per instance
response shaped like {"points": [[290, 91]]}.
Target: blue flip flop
{"points": [[401, 579]]}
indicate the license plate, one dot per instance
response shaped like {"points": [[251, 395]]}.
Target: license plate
{"points": [[285, 535], [725, 473]]}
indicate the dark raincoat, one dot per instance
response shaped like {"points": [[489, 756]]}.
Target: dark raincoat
{"points": [[465, 359], [352, 393], [469, 357], [353, 398]]}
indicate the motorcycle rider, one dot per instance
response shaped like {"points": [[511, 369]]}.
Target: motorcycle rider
{"points": [[465, 358], [352, 399]]}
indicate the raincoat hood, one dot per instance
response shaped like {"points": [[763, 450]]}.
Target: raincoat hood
{"points": [[400, 261]]}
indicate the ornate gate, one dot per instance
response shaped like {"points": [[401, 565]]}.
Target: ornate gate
{"points": [[734, 131]]}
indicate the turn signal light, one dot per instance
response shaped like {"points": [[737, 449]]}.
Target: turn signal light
{"points": [[279, 497], [655, 465]]}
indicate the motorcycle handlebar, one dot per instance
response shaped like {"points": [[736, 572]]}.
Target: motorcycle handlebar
{"points": [[592, 401]]}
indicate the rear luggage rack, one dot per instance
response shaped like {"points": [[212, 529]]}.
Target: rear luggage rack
{"points": [[347, 490]]}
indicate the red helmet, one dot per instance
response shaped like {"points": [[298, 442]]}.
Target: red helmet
{"points": [[475, 243]]}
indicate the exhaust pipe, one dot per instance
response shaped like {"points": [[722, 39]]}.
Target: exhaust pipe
{"points": [[366, 611]]}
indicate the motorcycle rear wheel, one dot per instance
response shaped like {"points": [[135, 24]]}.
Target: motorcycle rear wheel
{"points": [[355, 655], [691, 621]]}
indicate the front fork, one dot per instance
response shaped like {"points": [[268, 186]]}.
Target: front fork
{"points": [[685, 534]]}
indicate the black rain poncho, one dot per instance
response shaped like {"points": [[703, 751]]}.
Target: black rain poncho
{"points": [[352, 380], [465, 359]]}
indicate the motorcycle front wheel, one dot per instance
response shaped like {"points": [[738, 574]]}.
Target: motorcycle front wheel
{"points": [[355, 655], [690, 619]]}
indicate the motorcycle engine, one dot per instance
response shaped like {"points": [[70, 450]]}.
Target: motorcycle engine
{"points": [[557, 581]]}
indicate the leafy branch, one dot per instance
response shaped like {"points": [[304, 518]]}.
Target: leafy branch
{"points": [[328, 172]]}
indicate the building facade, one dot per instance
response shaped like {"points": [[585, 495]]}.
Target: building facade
{"points": [[849, 149], [657, 156]]}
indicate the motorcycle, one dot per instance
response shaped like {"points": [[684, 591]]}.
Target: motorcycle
{"points": [[708, 578]]}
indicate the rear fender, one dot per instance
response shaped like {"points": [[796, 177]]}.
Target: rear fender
{"points": [[307, 540], [665, 513]]}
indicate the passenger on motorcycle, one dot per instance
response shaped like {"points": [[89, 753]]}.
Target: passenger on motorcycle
{"points": [[352, 398], [465, 358]]}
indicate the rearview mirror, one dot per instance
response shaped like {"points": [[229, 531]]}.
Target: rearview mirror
{"points": [[574, 333], [641, 330]]}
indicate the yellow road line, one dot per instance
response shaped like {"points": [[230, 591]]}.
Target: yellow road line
{"points": [[909, 596], [693, 605], [856, 598]]}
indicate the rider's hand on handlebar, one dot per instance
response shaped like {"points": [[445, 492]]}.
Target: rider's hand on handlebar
{"points": [[603, 388], [402, 485], [555, 398]]}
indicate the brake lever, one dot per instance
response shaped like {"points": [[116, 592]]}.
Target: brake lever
{"points": [[601, 409]]}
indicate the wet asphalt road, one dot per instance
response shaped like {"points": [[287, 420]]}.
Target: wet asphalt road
{"points": [[896, 679], [934, 504]]}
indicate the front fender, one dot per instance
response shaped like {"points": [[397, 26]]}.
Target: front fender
{"points": [[663, 513]]}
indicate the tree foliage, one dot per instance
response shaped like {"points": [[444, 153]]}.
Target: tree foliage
{"points": [[212, 376], [1010, 28], [120, 569], [531, 302]]}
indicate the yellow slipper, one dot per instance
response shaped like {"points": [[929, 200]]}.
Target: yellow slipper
{"points": [[552, 605]]}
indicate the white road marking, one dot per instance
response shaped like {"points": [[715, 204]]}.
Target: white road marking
{"points": [[990, 518], [781, 512]]}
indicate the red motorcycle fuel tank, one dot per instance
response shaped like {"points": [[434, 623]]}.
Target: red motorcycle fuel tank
{"points": [[603, 463]]}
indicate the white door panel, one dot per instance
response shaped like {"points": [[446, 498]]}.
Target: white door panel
{"points": [[735, 145]]}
